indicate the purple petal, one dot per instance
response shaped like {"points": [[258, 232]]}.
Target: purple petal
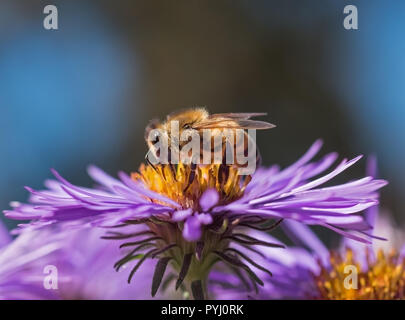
{"points": [[143, 190], [101, 177], [181, 215], [302, 234], [204, 218], [402, 252], [339, 169], [192, 229], [312, 151], [371, 214], [209, 199]]}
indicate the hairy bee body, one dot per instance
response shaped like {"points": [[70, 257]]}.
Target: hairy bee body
{"points": [[220, 125]]}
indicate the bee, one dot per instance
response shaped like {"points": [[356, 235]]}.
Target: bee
{"points": [[199, 119]]}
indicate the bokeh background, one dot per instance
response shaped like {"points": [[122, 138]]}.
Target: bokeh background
{"points": [[84, 93]]}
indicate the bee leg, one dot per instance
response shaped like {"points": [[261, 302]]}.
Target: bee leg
{"points": [[223, 173], [171, 166], [150, 163], [191, 177]]}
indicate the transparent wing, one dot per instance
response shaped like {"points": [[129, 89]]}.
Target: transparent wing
{"points": [[242, 116], [233, 124]]}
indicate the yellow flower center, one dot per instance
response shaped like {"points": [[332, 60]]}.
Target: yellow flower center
{"points": [[384, 278], [175, 182]]}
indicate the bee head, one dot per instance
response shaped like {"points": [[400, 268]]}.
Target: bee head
{"points": [[187, 118]]}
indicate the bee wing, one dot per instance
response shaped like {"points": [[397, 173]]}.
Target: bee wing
{"points": [[254, 124], [225, 123], [241, 115]]}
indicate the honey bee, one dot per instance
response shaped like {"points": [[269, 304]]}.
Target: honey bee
{"points": [[199, 119]]}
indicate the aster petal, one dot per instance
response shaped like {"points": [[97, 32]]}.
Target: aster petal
{"points": [[289, 185], [371, 170], [302, 235], [321, 166], [192, 229], [101, 177], [339, 169], [26, 212], [402, 252], [143, 190], [205, 218], [345, 210], [209, 199], [348, 234], [312, 151], [181, 215]]}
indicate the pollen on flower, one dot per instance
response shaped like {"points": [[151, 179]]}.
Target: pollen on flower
{"points": [[384, 277], [176, 184], [192, 240]]}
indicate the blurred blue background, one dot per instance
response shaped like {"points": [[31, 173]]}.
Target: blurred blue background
{"points": [[84, 93]]}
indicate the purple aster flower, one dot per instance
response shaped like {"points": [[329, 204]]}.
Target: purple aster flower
{"points": [[81, 266], [378, 274], [193, 217], [311, 271], [314, 272]]}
